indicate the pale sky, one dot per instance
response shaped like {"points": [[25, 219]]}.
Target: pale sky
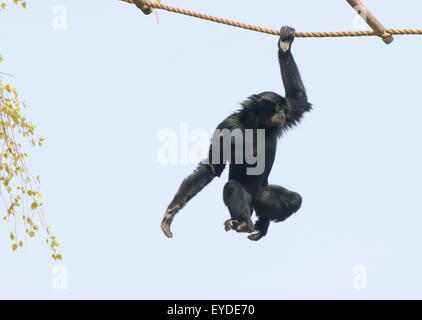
{"points": [[101, 91]]}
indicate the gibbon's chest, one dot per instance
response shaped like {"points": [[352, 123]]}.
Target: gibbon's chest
{"points": [[256, 142], [270, 149]]}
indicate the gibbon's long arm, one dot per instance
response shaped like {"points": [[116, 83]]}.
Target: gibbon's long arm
{"points": [[292, 81]]}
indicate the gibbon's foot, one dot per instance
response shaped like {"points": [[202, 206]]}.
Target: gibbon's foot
{"points": [[238, 226], [168, 219], [166, 229], [255, 236], [231, 224]]}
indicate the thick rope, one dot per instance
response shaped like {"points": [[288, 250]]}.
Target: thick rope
{"points": [[148, 5]]}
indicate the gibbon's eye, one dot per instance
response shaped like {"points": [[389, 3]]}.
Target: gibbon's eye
{"points": [[279, 107]]}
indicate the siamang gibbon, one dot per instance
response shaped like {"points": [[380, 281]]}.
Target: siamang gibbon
{"points": [[270, 114]]}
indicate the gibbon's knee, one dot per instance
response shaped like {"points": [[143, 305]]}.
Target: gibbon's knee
{"points": [[277, 203], [295, 202]]}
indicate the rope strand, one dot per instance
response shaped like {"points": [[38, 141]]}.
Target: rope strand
{"points": [[149, 4]]}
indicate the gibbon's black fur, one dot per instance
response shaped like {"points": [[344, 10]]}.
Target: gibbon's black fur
{"points": [[244, 193]]}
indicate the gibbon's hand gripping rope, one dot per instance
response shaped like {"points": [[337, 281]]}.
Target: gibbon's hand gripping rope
{"points": [[379, 30]]}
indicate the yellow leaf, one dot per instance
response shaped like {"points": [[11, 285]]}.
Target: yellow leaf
{"points": [[54, 243]]}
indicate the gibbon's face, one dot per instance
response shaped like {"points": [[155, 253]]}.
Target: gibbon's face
{"points": [[270, 109], [274, 109], [276, 114], [279, 117]]}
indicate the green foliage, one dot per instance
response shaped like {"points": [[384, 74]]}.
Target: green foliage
{"points": [[19, 189], [3, 4]]}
